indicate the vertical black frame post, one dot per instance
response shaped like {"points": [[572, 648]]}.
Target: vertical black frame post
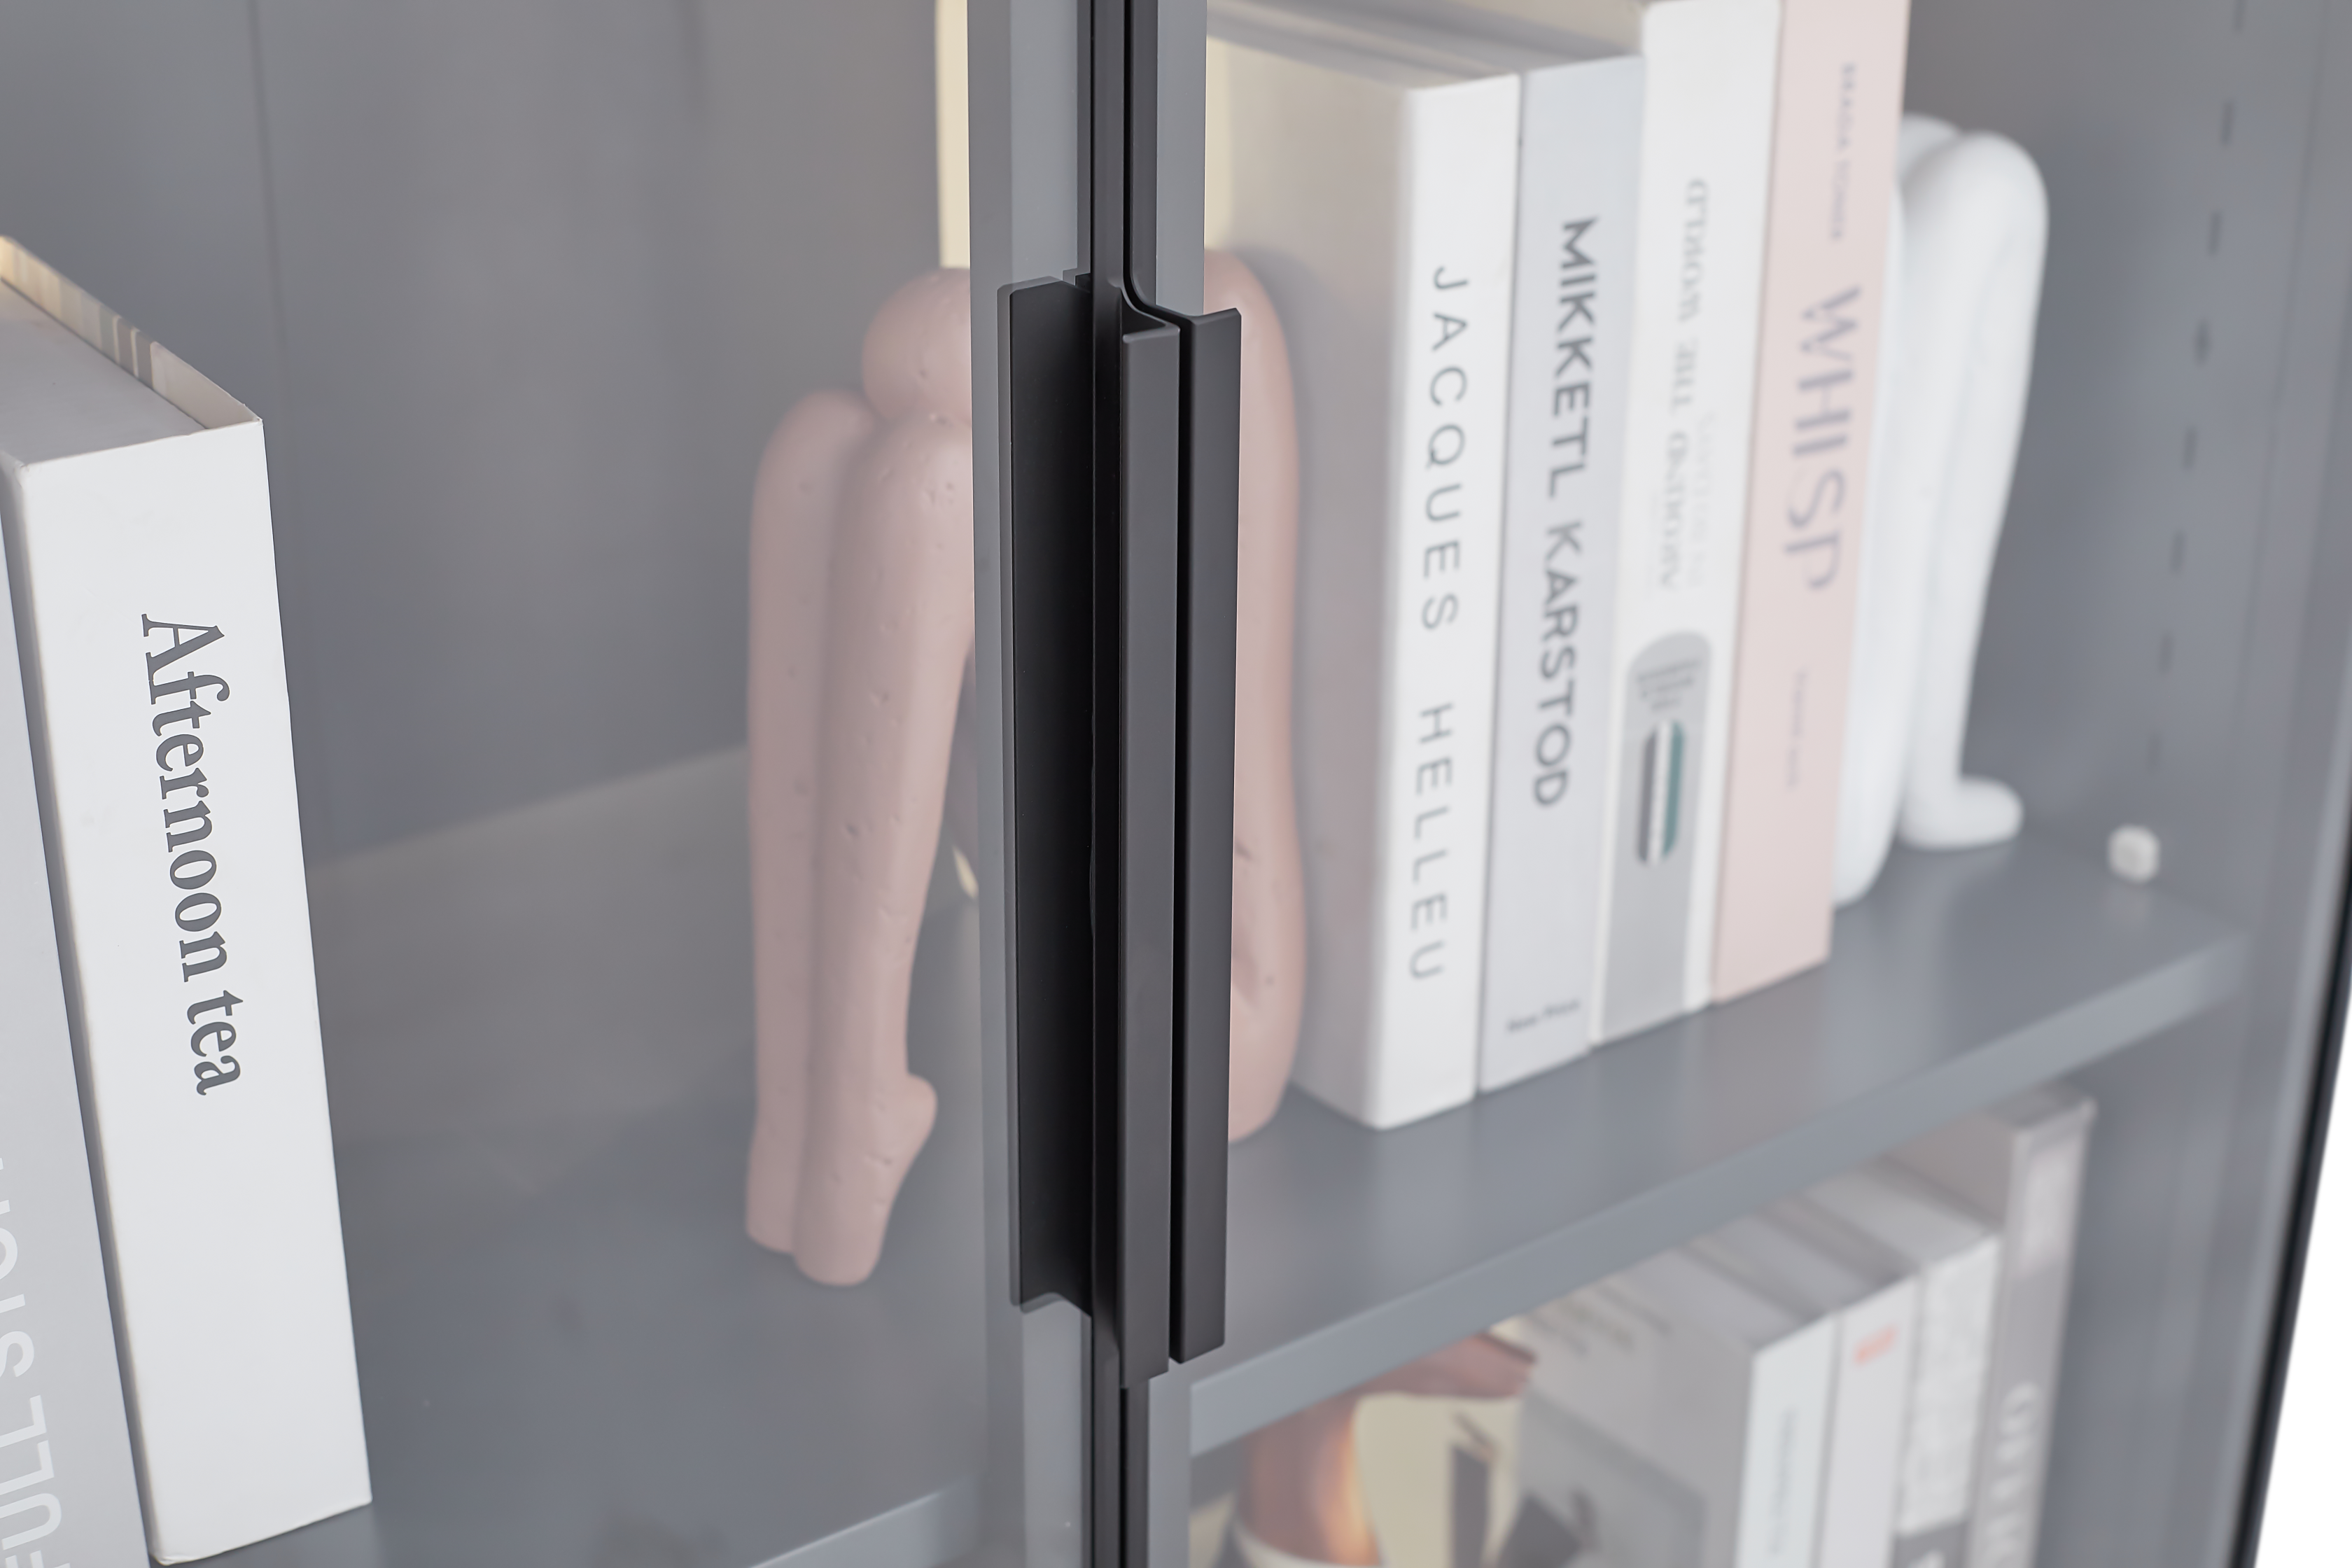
{"points": [[1120, 473], [1137, 385]]}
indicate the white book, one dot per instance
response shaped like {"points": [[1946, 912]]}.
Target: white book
{"points": [[1787, 1251], [137, 514], [1957, 1257], [2021, 1162], [66, 1489], [1571, 339], [1374, 193], [1707, 1379], [1707, 139], [1571, 342]]}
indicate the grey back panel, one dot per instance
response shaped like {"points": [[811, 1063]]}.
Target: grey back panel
{"points": [[551, 273], [131, 159], [545, 276], [2174, 140]]}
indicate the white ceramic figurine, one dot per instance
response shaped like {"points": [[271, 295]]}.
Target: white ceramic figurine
{"points": [[1972, 233]]}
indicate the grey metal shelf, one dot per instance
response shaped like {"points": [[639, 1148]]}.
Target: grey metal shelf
{"points": [[1961, 979], [539, 1045]]}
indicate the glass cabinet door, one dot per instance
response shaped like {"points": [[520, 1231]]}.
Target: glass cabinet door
{"points": [[617, 365], [1537, 547]]}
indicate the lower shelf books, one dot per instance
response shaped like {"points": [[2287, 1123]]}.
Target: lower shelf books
{"points": [[1957, 1258], [2022, 1163], [1873, 1304], [1860, 1375], [1705, 1378]]}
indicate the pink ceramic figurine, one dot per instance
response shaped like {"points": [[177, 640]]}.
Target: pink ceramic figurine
{"points": [[861, 623], [861, 640], [1269, 892]]}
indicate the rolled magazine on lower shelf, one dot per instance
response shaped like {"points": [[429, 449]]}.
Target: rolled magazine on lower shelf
{"points": [[1857, 1376]]}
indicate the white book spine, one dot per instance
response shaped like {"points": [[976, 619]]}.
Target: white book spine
{"points": [[1876, 1341], [1785, 1441], [147, 602], [1383, 216], [1956, 1325], [1571, 341], [66, 1489], [1446, 544], [1706, 149]]}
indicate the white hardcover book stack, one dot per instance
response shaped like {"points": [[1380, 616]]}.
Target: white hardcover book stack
{"points": [[1875, 1302], [1702, 1377], [137, 515], [1571, 351], [1958, 1259], [1416, 999], [1373, 189], [2021, 1162], [66, 1489], [1707, 136]]}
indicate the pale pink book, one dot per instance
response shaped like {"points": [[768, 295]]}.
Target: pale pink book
{"points": [[1839, 104]]}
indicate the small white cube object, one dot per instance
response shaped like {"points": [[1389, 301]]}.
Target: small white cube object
{"points": [[2133, 853]]}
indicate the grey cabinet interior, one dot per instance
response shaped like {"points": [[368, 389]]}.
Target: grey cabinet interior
{"points": [[522, 285], [520, 288], [2166, 644]]}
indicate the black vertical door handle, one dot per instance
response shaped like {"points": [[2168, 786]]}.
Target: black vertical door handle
{"points": [[1046, 522], [1119, 812], [1120, 468], [1147, 958], [1207, 576], [1180, 432]]}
